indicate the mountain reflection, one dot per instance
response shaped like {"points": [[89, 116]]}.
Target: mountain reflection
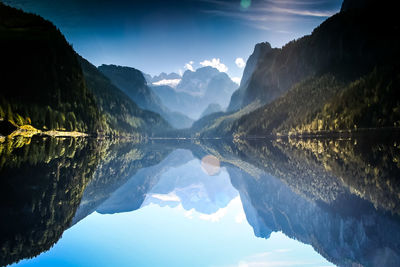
{"points": [[340, 196]]}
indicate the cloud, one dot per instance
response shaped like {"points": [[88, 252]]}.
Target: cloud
{"points": [[236, 80], [308, 13], [189, 214], [240, 217], [274, 15], [171, 82], [240, 62], [189, 66], [214, 217], [215, 63]]}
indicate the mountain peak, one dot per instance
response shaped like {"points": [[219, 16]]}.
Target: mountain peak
{"points": [[262, 46], [201, 73], [134, 76], [260, 50], [165, 76]]}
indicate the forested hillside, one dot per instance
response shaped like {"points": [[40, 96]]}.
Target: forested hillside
{"points": [[326, 105], [344, 76], [42, 82], [119, 114]]}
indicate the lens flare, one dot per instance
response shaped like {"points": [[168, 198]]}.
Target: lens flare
{"points": [[245, 4], [210, 165]]}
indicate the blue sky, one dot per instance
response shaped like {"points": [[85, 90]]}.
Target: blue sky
{"points": [[161, 35]]}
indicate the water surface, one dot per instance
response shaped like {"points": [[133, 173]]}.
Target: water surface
{"points": [[83, 202]]}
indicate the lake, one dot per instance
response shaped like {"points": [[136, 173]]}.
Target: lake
{"points": [[262, 202]]}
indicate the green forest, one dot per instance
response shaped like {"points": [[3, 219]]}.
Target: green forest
{"points": [[326, 105], [42, 81]]}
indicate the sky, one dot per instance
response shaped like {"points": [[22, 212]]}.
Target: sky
{"points": [[157, 36]]}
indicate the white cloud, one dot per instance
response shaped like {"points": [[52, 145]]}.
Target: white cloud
{"points": [[189, 66], [240, 217], [236, 80], [269, 15], [240, 62], [171, 82], [189, 214], [214, 217], [215, 63]]}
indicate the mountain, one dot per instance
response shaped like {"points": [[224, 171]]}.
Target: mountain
{"points": [[356, 4], [133, 83], [357, 239], [212, 108], [172, 79], [339, 196], [176, 100], [326, 105], [199, 191], [260, 50], [165, 76], [341, 77], [42, 82], [128, 197], [196, 81], [44, 85], [320, 191], [120, 163], [197, 90], [119, 113]]}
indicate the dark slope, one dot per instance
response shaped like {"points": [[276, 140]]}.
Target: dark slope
{"points": [[260, 50], [41, 80], [119, 113], [132, 82], [120, 162]]}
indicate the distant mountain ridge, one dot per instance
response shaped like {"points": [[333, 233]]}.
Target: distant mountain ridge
{"points": [[165, 76], [197, 90], [212, 108], [134, 84]]}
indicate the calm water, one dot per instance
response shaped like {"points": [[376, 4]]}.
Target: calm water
{"points": [[80, 202]]}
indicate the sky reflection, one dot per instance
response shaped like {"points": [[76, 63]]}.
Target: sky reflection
{"points": [[174, 236]]}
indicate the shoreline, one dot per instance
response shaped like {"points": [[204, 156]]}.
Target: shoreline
{"points": [[29, 131]]}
